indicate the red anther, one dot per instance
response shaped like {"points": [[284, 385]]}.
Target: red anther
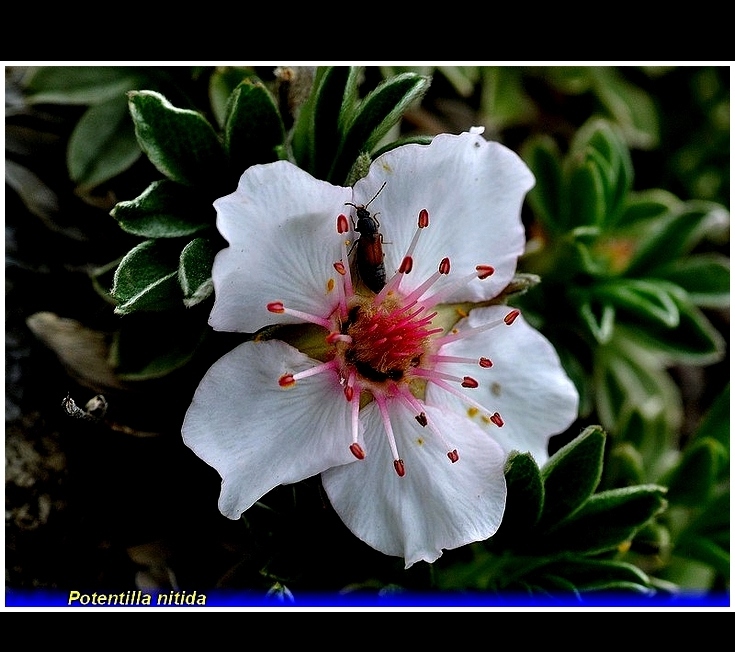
{"points": [[469, 382], [453, 456], [333, 337], [349, 392], [497, 420], [276, 306], [357, 451], [486, 363], [423, 218], [483, 271], [444, 266], [340, 267], [286, 380], [400, 467], [511, 316], [406, 265], [343, 224], [421, 418]]}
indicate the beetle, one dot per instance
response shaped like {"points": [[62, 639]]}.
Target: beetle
{"points": [[369, 246]]}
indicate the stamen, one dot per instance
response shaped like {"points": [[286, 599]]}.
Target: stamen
{"points": [[406, 265], [313, 371], [357, 451], [431, 374], [407, 262], [278, 308], [343, 226], [460, 395], [414, 405], [481, 272], [511, 316], [421, 289], [354, 397], [287, 380], [485, 363], [397, 461], [497, 419], [468, 332]]}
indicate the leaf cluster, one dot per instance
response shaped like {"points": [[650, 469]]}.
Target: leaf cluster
{"points": [[630, 271], [559, 538], [201, 151]]}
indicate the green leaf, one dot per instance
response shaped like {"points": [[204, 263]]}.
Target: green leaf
{"points": [[541, 154], [705, 277], [335, 101], [165, 209], [675, 235], [102, 144], [79, 84], [648, 206], [179, 142], [647, 300], [599, 319], [525, 498], [716, 422], [607, 520], [147, 279], [626, 376], [694, 547], [376, 114], [592, 574], [692, 481], [253, 126], [504, 101], [694, 340], [631, 107], [624, 467], [714, 519], [600, 174], [586, 195], [613, 158], [222, 82], [302, 132], [195, 271], [649, 443], [571, 475]]}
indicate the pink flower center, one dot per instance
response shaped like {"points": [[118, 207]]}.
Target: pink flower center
{"points": [[386, 345]]}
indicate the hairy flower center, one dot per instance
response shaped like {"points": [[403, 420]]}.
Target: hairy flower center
{"points": [[387, 338]]}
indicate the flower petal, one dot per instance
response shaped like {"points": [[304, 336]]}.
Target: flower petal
{"points": [[258, 435], [473, 190], [437, 504], [281, 226], [526, 384]]}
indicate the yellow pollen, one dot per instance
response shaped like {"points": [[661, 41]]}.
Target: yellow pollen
{"points": [[495, 389], [472, 412], [486, 419], [330, 285]]}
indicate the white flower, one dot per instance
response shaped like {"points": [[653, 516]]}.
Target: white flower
{"points": [[408, 424]]}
